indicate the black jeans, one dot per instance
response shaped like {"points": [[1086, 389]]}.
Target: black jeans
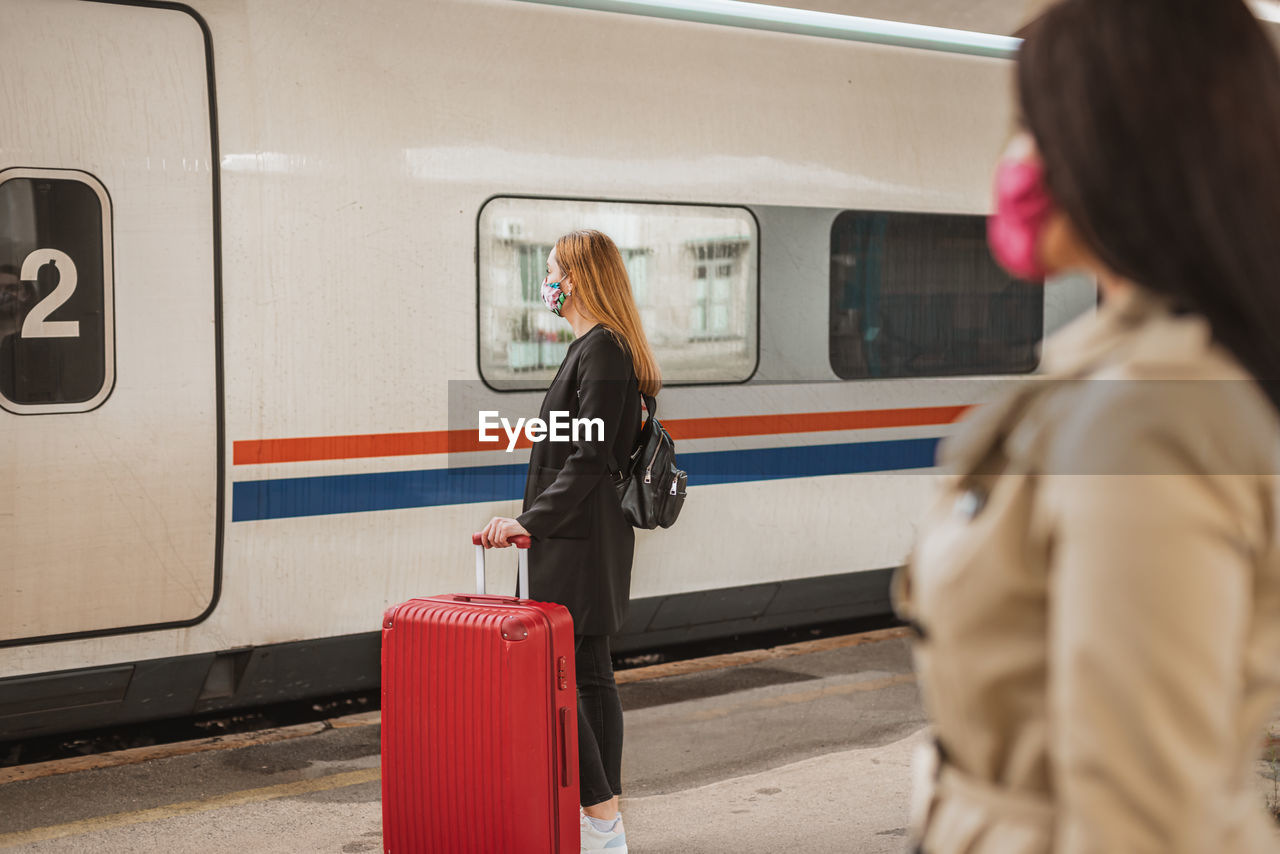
{"points": [[599, 721]]}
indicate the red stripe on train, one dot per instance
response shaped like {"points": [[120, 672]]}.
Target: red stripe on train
{"points": [[258, 451]]}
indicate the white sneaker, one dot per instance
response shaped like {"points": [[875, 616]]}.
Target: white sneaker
{"points": [[613, 841]]}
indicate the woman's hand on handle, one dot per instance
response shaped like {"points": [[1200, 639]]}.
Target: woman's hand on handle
{"points": [[498, 533]]}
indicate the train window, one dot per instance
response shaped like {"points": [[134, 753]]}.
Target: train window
{"points": [[919, 295], [692, 270], [56, 326]]}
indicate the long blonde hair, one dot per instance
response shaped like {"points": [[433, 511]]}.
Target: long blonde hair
{"points": [[592, 260]]}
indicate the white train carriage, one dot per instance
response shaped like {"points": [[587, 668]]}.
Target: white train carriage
{"points": [[262, 262]]}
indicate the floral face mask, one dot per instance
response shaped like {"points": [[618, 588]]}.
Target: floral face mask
{"points": [[553, 296]]}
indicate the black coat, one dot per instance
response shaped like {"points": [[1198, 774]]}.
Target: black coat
{"points": [[582, 544]]}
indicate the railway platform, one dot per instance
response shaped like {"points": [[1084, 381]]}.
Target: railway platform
{"points": [[798, 748]]}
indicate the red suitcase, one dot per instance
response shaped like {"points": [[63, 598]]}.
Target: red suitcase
{"points": [[479, 724]]}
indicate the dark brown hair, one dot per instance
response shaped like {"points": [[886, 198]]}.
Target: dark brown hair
{"points": [[1158, 122]]}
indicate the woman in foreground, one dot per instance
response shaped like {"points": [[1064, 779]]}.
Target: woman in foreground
{"points": [[1097, 591]]}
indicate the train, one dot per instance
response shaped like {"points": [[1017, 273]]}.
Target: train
{"points": [[263, 262]]}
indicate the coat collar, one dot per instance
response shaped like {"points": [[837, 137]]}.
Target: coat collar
{"points": [[584, 336], [1134, 320], [1142, 322]]}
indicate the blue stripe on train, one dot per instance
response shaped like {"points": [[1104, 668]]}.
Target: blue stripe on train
{"points": [[253, 500]]}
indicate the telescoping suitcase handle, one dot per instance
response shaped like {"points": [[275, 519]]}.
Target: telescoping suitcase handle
{"points": [[521, 542]]}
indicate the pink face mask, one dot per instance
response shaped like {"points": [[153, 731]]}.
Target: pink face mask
{"points": [[1023, 206]]}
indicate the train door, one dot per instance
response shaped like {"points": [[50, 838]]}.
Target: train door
{"points": [[109, 389]]}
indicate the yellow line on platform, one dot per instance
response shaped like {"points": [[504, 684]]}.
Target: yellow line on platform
{"points": [[755, 656], [137, 755], [804, 696], [232, 799]]}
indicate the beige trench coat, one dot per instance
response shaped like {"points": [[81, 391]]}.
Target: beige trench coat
{"points": [[1097, 592]]}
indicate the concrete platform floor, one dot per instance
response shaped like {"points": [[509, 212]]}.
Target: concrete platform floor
{"points": [[802, 749]]}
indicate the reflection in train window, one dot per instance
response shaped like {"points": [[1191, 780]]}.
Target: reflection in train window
{"points": [[692, 270], [56, 348], [917, 295]]}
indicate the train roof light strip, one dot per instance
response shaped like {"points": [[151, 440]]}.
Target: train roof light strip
{"points": [[804, 22]]}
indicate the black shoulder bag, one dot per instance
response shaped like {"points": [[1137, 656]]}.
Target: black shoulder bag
{"points": [[650, 487]]}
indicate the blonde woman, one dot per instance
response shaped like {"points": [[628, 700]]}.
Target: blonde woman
{"points": [[582, 545]]}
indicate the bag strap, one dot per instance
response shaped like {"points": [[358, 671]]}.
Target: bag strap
{"points": [[650, 404]]}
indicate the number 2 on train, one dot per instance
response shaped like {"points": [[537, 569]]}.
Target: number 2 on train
{"points": [[36, 324]]}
